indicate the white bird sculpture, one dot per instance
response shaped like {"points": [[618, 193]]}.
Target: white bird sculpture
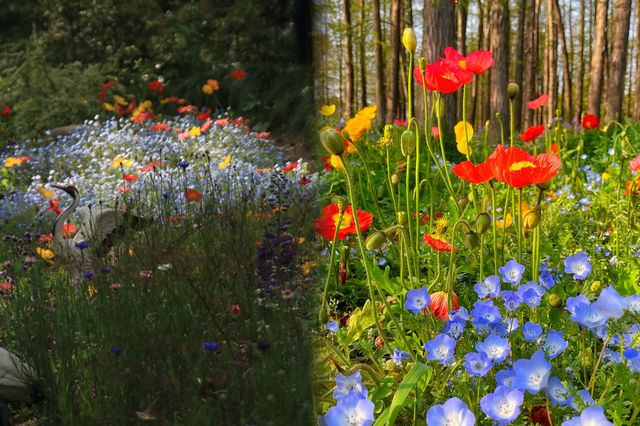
{"points": [[95, 228], [16, 384]]}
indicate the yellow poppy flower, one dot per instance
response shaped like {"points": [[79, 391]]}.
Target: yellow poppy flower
{"points": [[464, 133], [223, 165], [47, 193], [121, 162], [108, 106], [11, 162], [45, 253], [195, 131], [120, 100], [328, 110], [336, 162]]}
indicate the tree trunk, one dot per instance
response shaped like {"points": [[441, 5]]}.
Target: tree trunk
{"points": [[596, 71], [377, 52], [439, 33], [636, 107], [520, 59], [363, 54], [551, 63], [581, 65], [461, 43], [530, 66], [499, 46], [476, 112], [620, 36], [395, 38], [566, 64], [348, 59]]}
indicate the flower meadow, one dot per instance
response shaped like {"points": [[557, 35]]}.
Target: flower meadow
{"points": [[477, 281]]}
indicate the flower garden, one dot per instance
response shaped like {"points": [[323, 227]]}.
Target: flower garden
{"points": [[408, 276]]}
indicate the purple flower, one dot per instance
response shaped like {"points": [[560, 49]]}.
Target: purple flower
{"points": [[610, 303], [441, 349], [495, 347], [531, 331], [505, 377], [590, 416], [503, 404], [557, 392], [347, 385], [532, 374], [88, 275], [82, 245], [333, 326], [399, 356], [116, 350], [183, 164], [452, 412], [417, 300], [477, 364], [211, 346], [352, 409], [578, 265], [554, 344], [511, 272], [490, 286]]}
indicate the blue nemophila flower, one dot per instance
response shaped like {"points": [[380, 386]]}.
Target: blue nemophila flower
{"points": [[557, 392], [490, 286], [588, 316], [82, 245], [497, 348], [454, 327], [633, 303], [505, 377], [453, 412], [211, 346], [578, 265], [584, 400], [532, 374], [353, 409], [632, 359], [531, 293], [441, 349], [333, 326], [346, 385], [511, 272], [612, 356], [531, 331], [417, 300], [477, 364], [511, 300], [591, 416], [510, 324], [554, 344], [462, 313], [573, 302], [610, 303], [399, 356], [546, 279], [503, 404], [486, 310]]}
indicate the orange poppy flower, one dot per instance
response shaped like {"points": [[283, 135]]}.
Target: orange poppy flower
{"points": [[532, 133], [45, 238], [440, 306], [68, 229], [326, 224], [634, 165], [192, 195], [221, 122], [130, 178], [160, 127], [6, 287], [437, 244], [518, 168], [155, 86], [150, 166]]}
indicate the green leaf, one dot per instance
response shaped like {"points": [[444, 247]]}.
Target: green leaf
{"points": [[360, 320], [399, 401]]}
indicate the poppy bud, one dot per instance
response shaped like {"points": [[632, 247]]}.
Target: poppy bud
{"points": [[409, 40], [555, 300], [379, 342], [407, 143], [438, 107], [395, 179], [531, 219], [422, 64], [471, 240], [544, 185], [482, 223], [375, 240], [402, 218], [512, 90], [381, 191], [332, 141], [462, 202]]}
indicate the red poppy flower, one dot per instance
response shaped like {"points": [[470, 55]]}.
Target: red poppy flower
{"points": [[206, 125], [263, 135], [235, 308], [440, 306], [442, 76], [472, 173], [400, 123], [192, 195], [68, 229], [6, 287], [103, 90], [150, 166], [6, 111], [518, 168], [326, 224], [435, 133], [590, 121], [122, 110], [634, 165], [45, 238], [475, 62], [239, 75], [554, 149], [160, 127], [186, 109], [632, 186], [532, 133], [290, 166], [130, 178], [221, 122], [538, 102], [53, 205], [142, 117], [327, 163], [155, 86], [438, 245], [202, 116]]}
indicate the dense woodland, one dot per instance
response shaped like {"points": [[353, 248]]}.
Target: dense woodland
{"points": [[583, 53]]}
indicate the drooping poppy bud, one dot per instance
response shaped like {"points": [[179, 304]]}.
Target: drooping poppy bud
{"points": [[482, 223], [471, 240], [375, 240], [332, 141], [407, 143]]}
